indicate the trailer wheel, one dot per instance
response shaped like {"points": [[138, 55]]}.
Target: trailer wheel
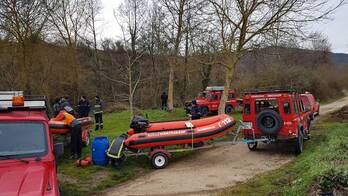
{"points": [[252, 146], [159, 160], [117, 163]]}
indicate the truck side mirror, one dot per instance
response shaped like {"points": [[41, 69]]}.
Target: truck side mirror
{"points": [[58, 149]]}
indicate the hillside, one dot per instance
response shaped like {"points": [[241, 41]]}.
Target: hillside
{"points": [[339, 59]]}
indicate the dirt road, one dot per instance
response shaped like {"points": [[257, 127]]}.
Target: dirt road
{"points": [[327, 108], [206, 172]]}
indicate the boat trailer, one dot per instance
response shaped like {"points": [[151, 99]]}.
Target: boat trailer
{"points": [[160, 156]]}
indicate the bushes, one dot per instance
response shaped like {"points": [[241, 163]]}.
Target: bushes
{"points": [[334, 181], [304, 70], [50, 73]]}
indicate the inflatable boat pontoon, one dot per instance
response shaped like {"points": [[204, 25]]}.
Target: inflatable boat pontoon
{"points": [[156, 136]]}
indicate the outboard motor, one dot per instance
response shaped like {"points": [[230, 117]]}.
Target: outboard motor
{"points": [[139, 124]]}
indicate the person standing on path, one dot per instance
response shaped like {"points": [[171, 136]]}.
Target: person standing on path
{"points": [[98, 113], [164, 98]]}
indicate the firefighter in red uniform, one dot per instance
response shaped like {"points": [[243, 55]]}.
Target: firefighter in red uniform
{"points": [[75, 130]]}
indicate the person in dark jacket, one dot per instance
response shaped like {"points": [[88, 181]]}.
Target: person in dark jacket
{"points": [[83, 108], [98, 113], [164, 98], [75, 130], [56, 107], [195, 111]]}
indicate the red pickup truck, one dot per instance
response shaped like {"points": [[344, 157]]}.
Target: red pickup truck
{"points": [[209, 101], [27, 156]]}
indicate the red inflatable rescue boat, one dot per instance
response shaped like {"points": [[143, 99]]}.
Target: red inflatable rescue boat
{"points": [[148, 135], [60, 128]]}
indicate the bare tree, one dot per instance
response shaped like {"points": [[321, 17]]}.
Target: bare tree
{"points": [[321, 47], [177, 23], [155, 44], [22, 22], [319, 42], [68, 17], [176, 10], [243, 25], [131, 18], [94, 9]]}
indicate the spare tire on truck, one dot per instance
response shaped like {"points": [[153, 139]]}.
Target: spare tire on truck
{"points": [[269, 121]]}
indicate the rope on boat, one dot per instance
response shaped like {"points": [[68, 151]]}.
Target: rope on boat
{"points": [[191, 127]]}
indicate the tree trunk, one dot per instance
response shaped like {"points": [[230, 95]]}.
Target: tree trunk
{"points": [[131, 108], [154, 83], [206, 72], [75, 74], [25, 70], [130, 88], [230, 64], [171, 84]]}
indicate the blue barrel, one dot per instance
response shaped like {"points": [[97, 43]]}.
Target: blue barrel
{"points": [[99, 147]]}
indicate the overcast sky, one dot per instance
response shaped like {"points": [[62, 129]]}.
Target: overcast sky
{"points": [[336, 29]]}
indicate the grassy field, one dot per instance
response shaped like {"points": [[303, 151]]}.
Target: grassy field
{"points": [[322, 166], [90, 180]]}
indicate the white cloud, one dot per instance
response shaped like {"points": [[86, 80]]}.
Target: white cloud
{"points": [[107, 24]]}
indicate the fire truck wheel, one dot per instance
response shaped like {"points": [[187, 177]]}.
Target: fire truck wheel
{"points": [[229, 109], [252, 146], [299, 143]]}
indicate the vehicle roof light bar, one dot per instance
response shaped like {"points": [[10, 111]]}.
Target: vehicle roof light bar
{"points": [[269, 90], [214, 88]]}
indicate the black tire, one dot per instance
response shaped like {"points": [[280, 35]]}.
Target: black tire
{"points": [[59, 191], [269, 121], [309, 123], [159, 160], [311, 116], [318, 113], [229, 109], [204, 111], [117, 163], [252, 146], [299, 143]]}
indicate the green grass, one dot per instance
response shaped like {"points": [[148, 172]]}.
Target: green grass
{"points": [[324, 160], [87, 181], [91, 180]]}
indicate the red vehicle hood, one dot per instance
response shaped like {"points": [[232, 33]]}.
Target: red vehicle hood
{"points": [[24, 179]]}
